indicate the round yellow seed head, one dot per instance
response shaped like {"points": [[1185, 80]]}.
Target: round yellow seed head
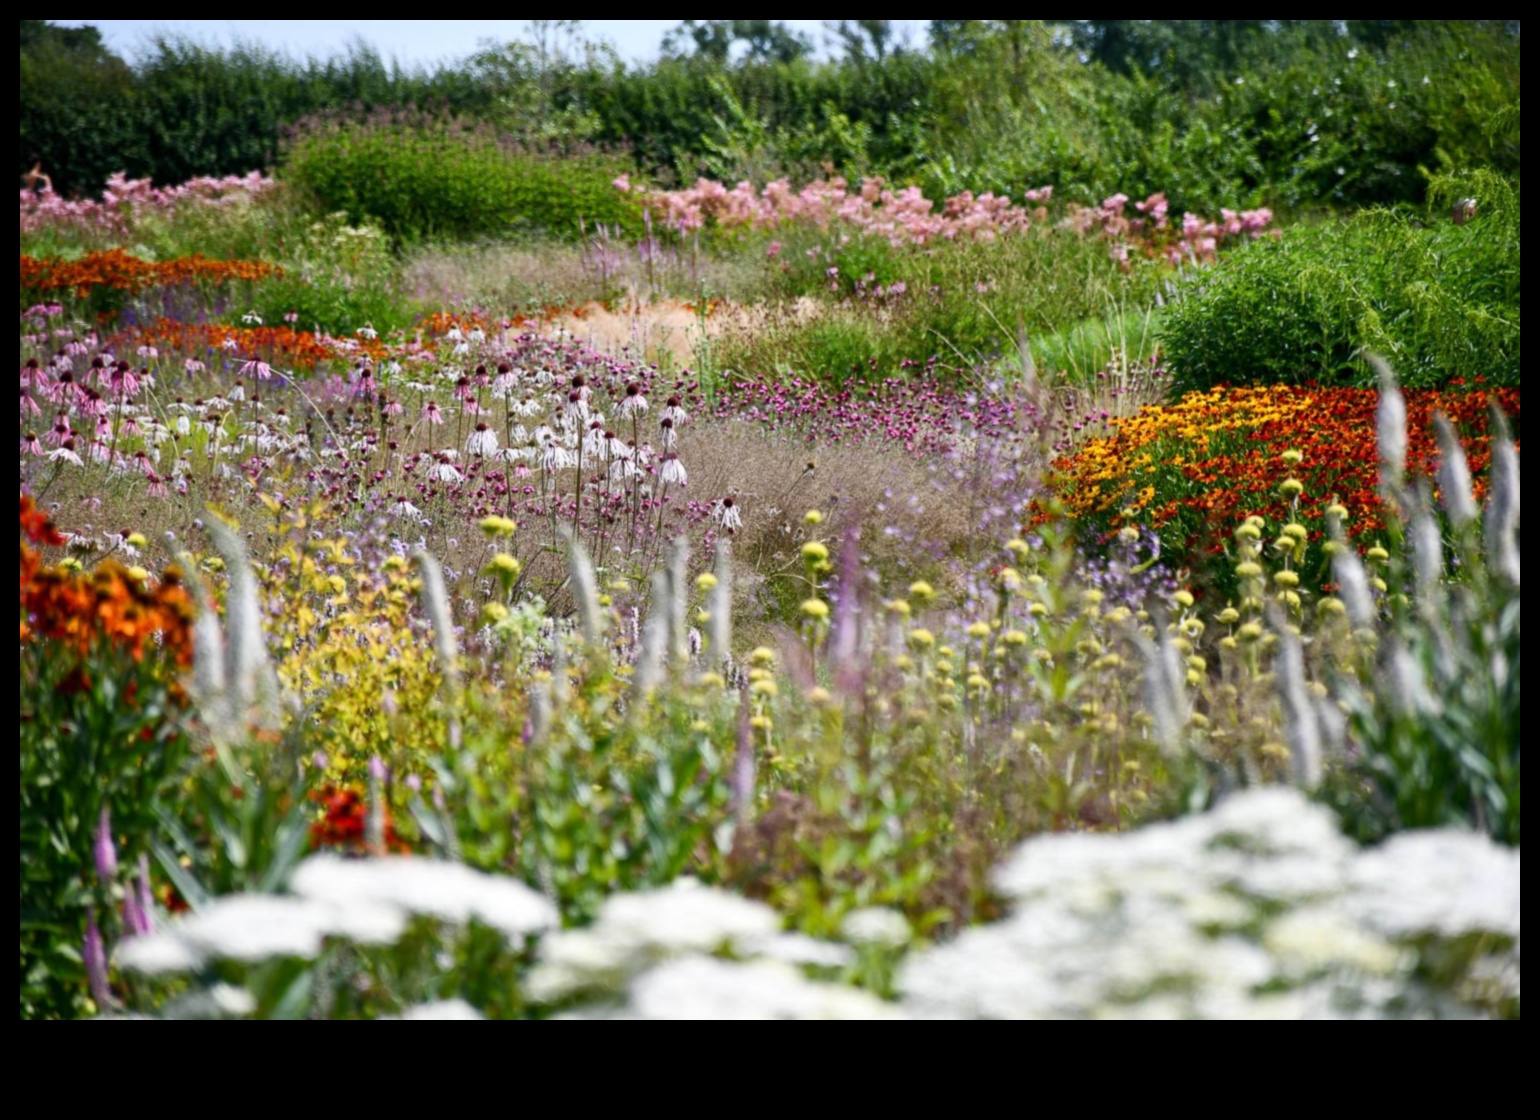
{"points": [[1286, 579], [921, 639], [1229, 616], [1249, 570], [1183, 599], [922, 592], [1291, 488], [979, 630], [705, 581], [496, 526], [813, 517], [1295, 531], [815, 609], [763, 657], [1293, 458], [1377, 554]]}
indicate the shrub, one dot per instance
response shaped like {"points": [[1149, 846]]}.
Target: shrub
{"points": [[418, 177], [1438, 297]]}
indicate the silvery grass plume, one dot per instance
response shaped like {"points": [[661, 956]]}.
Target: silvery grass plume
{"points": [[1352, 579], [1302, 728], [234, 685], [678, 599], [585, 592], [1165, 692], [1454, 475], [1502, 519], [650, 661], [435, 600], [722, 605], [1390, 424], [1427, 546]]}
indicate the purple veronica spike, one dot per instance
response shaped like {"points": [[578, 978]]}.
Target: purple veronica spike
{"points": [[105, 853]]}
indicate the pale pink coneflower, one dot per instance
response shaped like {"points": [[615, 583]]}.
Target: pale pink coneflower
{"points": [[61, 433], [726, 514], [393, 408], [671, 471], [30, 445], [555, 457], [483, 441], [675, 413], [157, 488], [29, 407], [258, 369], [66, 454], [193, 366], [634, 404], [432, 413]]}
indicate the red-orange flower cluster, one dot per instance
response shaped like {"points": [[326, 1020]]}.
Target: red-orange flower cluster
{"points": [[297, 348], [124, 272], [81, 609], [345, 820], [1200, 466]]}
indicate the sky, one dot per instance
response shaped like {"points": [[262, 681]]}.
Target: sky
{"points": [[410, 41]]}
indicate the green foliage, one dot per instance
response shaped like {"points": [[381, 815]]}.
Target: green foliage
{"points": [[1439, 297], [418, 177], [337, 278], [98, 734], [956, 304]]}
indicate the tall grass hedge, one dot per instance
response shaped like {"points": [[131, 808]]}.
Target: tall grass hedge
{"points": [[419, 176]]}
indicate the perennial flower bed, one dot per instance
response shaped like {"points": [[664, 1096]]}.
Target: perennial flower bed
{"points": [[1194, 469]]}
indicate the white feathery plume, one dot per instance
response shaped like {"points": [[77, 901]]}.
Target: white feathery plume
{"points": [[435, 600], [1301, 729], [1454, 474], [649, 662], [1502, 520], [1352, 580], [1390, 423], [678, 630], [585, 592], [722, 604]]}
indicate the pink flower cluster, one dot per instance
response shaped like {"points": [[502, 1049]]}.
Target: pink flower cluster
{"points": [[905, 216], [125, 197], [1195, 240]]}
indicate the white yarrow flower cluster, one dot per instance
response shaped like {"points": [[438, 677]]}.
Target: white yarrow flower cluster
{"points": [[1258, 910]]}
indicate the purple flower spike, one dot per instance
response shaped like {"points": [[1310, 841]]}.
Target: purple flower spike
{"points": [[96, 962], [104, 851]]}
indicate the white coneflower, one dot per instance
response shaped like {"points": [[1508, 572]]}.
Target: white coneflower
{"points": [[726, 514], [66, 454], [555, 457], [675, 412], [483, 441], [518, 435], [445, 472], [405, 509], [669, 437], [593, 442], [635, 403], [623, 468], [672, 472], [575, 410]]}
